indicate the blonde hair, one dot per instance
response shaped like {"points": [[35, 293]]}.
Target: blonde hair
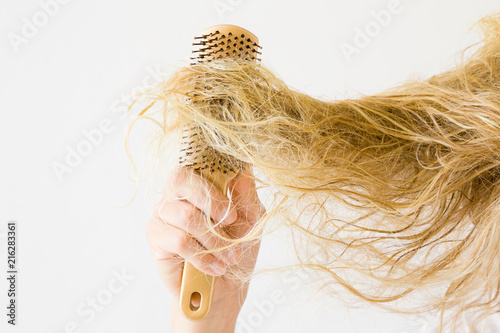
{"points": [[418, 166]]}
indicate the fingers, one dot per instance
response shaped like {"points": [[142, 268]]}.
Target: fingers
{"points": [[191, 186], [180, 229], [168, 243], [185, 216]]}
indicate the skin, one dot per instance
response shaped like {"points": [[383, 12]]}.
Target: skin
{"points": [[177, 231]]}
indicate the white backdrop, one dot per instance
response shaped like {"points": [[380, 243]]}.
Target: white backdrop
{"points": [[65, 67]]}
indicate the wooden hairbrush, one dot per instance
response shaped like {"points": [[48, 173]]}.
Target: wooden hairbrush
{"points": [[217, 42]]}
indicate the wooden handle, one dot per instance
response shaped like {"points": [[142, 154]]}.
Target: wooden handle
{"points": [[195, 285]]}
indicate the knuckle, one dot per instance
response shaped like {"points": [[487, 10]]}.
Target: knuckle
{"points": [[188, 213], [216, 242], [199, 229], [206, 239], [181, 242]]}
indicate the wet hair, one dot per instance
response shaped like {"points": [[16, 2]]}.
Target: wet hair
{"points": [[417, 167]]}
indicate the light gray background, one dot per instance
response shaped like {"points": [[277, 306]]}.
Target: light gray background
{"points": [[72, 72]]}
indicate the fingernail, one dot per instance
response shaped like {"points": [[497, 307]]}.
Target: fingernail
{"points": [[232, 215], [217, 267]]}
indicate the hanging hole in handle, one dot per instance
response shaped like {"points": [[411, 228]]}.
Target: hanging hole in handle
{"points": [[195, 301]]}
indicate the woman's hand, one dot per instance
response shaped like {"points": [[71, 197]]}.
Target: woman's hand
{"points": [[178, 231]]}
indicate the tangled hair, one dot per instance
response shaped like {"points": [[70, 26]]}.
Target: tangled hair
{"points": [[417, 166]]}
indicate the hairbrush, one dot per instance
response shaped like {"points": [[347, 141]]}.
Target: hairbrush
{"points": [[217, 42]]}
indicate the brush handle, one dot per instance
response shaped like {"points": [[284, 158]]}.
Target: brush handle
{"points": [[195, 282]]}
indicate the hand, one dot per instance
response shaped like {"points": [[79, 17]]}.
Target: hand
{"points": [[178, 231]]}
